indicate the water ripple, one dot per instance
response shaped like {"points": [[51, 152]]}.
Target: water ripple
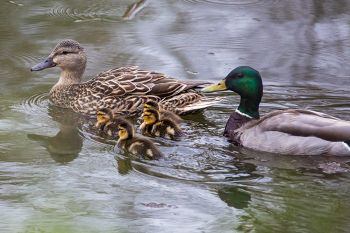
{"points": [[26, 60], [234, 2], [93, 13], [187, 159], [34, 105]]}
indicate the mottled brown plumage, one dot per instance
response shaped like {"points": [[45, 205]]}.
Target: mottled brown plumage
{"points": [[124, 90]]}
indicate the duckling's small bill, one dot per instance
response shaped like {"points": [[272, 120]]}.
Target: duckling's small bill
{"points": [[220, 86]]}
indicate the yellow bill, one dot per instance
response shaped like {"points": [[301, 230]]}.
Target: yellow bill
{"points": [[221, 86]]}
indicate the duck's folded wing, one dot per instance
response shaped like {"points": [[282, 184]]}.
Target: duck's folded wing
{"points": [[307, 123], [134, 81]]}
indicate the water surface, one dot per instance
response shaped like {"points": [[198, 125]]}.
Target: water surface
{"points": [[57, 175]]}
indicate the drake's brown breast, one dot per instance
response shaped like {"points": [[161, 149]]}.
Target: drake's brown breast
{"points": [[235, 121]]}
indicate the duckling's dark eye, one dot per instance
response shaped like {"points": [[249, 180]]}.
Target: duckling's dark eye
{"points": [[240, 75]]}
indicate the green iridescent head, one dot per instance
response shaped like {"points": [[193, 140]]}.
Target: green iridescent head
{"points": [[246, 82]]}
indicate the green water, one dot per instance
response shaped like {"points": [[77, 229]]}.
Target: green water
{"points": [[56, 175]]}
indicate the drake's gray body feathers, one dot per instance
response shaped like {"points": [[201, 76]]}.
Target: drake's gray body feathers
{"points": [[293, 132]]}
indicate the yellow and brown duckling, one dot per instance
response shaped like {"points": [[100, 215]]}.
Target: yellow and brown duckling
{"points": [[153, 125], [106, 122], [133, 144], [163, 114]]}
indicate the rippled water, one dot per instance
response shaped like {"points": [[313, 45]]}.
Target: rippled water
{"points": [[58, 175]]}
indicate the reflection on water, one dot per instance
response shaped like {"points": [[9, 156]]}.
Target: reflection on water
{"points": [[58, 175], [67, 143], [64, 146], [234, 197], [133, 9], [124, 165]]}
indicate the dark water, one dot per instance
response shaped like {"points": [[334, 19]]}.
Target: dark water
{"points": [[56, 175]]}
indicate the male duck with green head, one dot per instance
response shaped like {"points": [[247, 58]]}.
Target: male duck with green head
{"points": [[293, 131]]}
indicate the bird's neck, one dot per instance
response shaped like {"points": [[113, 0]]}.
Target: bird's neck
{"points": [[61, 94], [249, 107], [69, 77]]}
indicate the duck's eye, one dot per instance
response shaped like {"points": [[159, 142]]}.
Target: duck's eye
{"points": [[65, 52], [240, 75]]}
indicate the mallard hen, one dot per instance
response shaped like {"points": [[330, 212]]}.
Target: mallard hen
{"points": [[294, 131], [124, 90]]}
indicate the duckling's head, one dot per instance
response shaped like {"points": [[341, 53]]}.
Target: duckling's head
{"points": [[68, 54], [125, 130], [151, 116], [103, 116], [150, 105], [243, 80]]}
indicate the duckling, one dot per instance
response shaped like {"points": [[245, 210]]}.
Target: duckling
{"points": [[162, 112], [106, 122], [134, 144], [154, 126]]}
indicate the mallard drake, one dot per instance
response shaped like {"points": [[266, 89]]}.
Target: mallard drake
{"points": [[124, 90], [134, 144], [162, 113], [294, 131], [154, 126]]}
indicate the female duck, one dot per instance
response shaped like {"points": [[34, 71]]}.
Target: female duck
{"points": [[124, 90], [294, 132], [153, 125]]}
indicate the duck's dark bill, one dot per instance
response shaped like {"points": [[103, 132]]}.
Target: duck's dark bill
{"points": [[43, 65], [221, 86]]}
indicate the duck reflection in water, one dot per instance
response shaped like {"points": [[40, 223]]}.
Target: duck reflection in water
{"points": [[124, 165], [66, 145], [234, 197]]}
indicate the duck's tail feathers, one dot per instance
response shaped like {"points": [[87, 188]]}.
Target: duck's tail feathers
{"points": [[194, 84], [198, 106]]}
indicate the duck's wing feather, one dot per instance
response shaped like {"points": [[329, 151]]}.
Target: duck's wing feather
{"points": [[134, 81], [284, 143], [303, 123], [188, 102]]}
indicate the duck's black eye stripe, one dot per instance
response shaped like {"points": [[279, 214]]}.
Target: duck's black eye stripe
{"points": [[240, 75]]}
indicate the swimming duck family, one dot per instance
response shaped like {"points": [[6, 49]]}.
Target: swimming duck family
{"points": [[293, 131], [123, 90]]}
